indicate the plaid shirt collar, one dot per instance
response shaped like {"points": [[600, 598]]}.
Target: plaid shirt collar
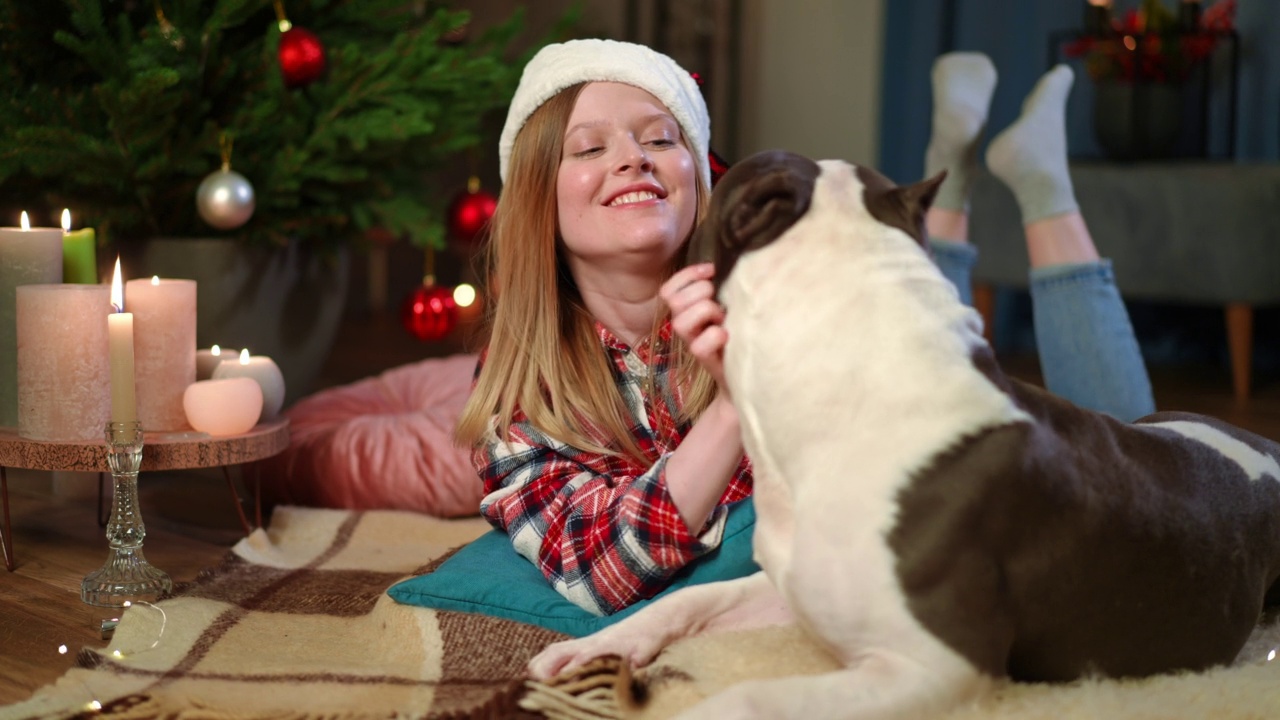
{"points": [[644, 350]]}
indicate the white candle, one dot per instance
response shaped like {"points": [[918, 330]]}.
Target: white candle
{"points": [[63, 371], [207, 360], [225, 406], [164, 347], [124, 407], [261, 369], [28, 256]]}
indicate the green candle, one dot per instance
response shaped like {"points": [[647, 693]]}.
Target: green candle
{"points": [[79, 253]]}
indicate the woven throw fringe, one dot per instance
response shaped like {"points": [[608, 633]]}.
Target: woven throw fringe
{"points": [[599, 690], [145, 707]]}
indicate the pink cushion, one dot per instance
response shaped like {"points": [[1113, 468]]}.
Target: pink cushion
{"points": [[385, 442]]}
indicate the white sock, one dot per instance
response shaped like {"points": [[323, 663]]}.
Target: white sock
{"points": [[962, 86], [1030, 156]]}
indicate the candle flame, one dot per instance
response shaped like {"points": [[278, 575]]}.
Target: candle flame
{"points": [[117, 290], [26, 222], [244, 356], [66, 220], [155, 279], [215, 350]]}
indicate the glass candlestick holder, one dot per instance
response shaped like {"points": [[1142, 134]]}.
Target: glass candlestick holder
{"points": [[127, 576]]}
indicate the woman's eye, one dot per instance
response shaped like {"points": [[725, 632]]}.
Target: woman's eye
{"points": [[662, 142]]}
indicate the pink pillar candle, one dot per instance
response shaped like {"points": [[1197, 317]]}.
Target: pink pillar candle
{"points": [[263, 370], [64, 389], [164, 347], [27, 257], [228, 406]]}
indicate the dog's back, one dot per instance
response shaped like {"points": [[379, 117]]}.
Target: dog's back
{"points": [[1120, 549]]}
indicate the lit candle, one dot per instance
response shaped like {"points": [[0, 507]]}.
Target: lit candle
{"points": [[261, 369], [223, 406], [79, 257], [124, 408], [164, 346], [63, 371], [206, 361], [28, 256], [1097, 17]]}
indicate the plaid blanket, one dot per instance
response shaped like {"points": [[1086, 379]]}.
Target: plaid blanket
{"points": [[296, 624]]}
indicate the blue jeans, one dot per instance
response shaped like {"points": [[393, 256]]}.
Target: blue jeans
{"points": [[1088, 352]]}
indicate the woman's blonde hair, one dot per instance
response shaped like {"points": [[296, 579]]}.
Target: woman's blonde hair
{"points": [[544, 356]]}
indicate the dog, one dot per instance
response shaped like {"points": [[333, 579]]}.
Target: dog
{"points": [[935, 524]]}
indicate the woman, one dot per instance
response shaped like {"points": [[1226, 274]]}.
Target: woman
{"points": [[607, 442]]}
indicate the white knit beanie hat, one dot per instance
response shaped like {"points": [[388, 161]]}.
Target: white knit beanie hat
{"points": [[556, 67]]}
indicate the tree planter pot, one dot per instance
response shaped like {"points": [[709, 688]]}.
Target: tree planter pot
{"points": [[285, 303], [1137, 121]]}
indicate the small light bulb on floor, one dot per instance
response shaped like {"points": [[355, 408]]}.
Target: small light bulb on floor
{"points": [[62, 649], [1271, 655]]}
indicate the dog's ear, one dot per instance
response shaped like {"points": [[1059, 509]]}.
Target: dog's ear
{"points": [[904, 206], [752, 205]]}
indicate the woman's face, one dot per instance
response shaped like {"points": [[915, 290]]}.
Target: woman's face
{"points": [[626, 192]]}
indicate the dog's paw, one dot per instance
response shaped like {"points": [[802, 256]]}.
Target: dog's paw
{"points": [[568, 655], [562, 657]]}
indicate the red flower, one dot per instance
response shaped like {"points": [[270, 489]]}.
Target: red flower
{"points": [[1144, 51]]}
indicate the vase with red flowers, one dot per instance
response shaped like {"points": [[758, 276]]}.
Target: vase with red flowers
{"points": [[1140, 62]]}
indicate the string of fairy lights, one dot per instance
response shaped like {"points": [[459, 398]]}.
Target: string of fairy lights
{"points": [[108, 629]]}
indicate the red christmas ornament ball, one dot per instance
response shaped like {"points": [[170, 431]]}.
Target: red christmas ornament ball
{"points": [[429, 312], [301, 57], [469, 213]]}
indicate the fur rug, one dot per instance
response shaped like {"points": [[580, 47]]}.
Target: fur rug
{"points": [[296, 625], [693, 669]]}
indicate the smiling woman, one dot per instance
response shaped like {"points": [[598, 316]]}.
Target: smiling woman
{"points": [[607, 452]]}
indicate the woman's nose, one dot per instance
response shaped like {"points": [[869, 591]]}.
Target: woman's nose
{"points": [[634, 157]]}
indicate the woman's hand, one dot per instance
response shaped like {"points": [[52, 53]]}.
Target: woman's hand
{"points": [[697, 318]]}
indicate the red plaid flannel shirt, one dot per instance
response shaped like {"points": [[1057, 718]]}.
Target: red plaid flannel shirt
{"points": [[601, 528]]}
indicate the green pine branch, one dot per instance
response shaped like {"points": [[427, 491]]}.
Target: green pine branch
{"points": [[110, 112]]}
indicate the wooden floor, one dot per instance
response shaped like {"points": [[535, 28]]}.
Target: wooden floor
{"points": [[191, 522]]}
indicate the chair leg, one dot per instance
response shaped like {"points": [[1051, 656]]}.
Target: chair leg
{"points": [[1240, 343], [984, 301], [6, 536]]}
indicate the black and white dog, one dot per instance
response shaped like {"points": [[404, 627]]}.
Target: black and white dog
{"points": [[932, 522]]}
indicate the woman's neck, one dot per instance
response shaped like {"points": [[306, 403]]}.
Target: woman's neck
{"points": [[627, 305]]}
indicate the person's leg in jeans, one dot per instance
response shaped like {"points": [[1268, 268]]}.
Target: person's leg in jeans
{"points": [[1088, 352]]}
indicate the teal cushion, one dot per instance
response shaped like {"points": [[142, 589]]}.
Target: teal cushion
{"points": [[487, 577]]}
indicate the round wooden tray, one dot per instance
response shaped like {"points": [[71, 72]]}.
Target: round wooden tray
{"points": [[160, 451]]}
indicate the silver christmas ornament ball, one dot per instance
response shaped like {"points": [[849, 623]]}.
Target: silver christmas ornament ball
{"points": [[225, 199]]}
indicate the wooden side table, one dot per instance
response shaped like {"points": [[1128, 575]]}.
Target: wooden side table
{"points": [[161, 451]]}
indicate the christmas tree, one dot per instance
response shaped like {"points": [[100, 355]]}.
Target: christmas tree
{"points": [[120, 109]]}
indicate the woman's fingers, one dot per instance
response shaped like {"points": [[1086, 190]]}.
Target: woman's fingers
{"points": [[688, 286], [696, 318]]}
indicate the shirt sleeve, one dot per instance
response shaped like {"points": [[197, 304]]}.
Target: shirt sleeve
{"points": [[604, 537]]}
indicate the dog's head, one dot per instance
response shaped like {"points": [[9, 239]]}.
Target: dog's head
{"points": [[759, 199]]}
